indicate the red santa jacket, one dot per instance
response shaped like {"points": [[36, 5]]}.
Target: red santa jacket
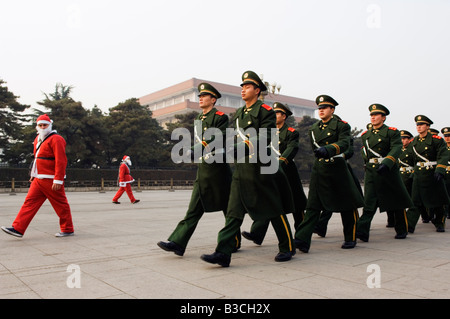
{"points": [[50, 159], [124, 175]]}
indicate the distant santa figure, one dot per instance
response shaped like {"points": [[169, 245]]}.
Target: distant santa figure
{"points": [[125, 180]]}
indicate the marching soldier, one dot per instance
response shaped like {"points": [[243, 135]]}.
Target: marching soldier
{"points": [[212, 185], [262, 196], [332, 187], [383, 187], [405, 161], [446, 132], [431, 159], [325, 216], [288, 147]]}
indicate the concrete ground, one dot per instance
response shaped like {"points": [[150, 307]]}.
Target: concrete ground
{"points": [[114, 255]]}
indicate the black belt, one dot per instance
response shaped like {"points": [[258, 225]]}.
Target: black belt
{"points": [[46, 158]]}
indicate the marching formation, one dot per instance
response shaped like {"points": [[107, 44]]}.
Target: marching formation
{"points": [[407, 177]]}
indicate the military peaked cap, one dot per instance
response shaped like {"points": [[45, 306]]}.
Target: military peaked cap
{"points": [[378, 108], [404, 133], [253, 78], [206, 88], [434, 131], [280, 107], [326, 100], [422, 119]]}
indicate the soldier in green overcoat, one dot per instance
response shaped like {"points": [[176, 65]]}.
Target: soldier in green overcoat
{"points": [[325, 216], [257, 188], [212, 184], [406, 166], [406, 160], [288, 148], [332, 187], [383, 186], [431, 159], [446, 132]]}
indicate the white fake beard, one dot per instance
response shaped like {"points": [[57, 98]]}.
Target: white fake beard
{"points": [[128, 162], [43, 132]]}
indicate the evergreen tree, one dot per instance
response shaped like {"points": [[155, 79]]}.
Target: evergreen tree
{"points": [[84, 131], [133, 132], [12, 120], [182, 121]]}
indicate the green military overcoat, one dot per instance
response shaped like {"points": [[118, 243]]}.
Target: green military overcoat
{"points": [[332, 187], [425, 190], [288, 148], [406, 163], [387, 191], [447, 173], [213, 180], [262, 196]]}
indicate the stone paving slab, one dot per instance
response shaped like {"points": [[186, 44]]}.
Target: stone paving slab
{"points": [[115, 252]]}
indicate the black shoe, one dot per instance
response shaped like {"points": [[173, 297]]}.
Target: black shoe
{"points": [[11, 231], [171, 246], [425, 221], [136, 201], [440, 229], [116, 202], [410, 230], [320, 232], [363, 237], [390, 225], [301, 245], [217, 258], [252, 237], [348, 244], [401, 236], [286, 256]]}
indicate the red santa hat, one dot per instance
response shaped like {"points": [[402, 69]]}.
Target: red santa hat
{"points": [[44, 119], [125, 158]]}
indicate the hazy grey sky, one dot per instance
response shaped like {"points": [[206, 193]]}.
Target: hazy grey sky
{"points": [[393, 52]]}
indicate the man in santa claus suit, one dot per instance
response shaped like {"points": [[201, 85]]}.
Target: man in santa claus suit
{"points": [[125, 181], [47, 181]]}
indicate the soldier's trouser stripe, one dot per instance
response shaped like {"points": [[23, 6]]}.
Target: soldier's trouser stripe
{"points": [[287, 232], [406, 219], [355, 217]]}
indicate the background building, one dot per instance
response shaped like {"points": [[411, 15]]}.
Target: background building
{"points": [[183, 98]]}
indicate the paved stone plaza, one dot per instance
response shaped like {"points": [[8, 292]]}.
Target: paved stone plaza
{"points": [[114, 255]]}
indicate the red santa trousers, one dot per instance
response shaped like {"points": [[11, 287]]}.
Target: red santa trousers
{"points": [[40, 190], [122, 190]]}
